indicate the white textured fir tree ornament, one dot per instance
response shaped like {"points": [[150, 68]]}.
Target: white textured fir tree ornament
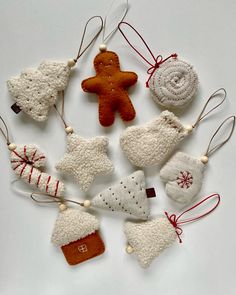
{"points": [[129, 195], [36, 91]]}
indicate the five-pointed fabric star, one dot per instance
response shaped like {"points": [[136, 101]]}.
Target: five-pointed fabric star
{"points": [[85, 158]]}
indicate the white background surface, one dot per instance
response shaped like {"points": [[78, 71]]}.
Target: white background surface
{"points": [[201, 32]]}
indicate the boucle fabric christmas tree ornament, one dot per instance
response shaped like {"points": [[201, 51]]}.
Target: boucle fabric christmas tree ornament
{"points": [[85, 158], [183, 174], [26, 161], [147, 240], [152, 143], [129, 195], [173, 83], [76, 232], [110, 83], [36, 90]]}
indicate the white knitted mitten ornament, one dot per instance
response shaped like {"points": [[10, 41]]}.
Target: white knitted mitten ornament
{"points": [[128, 196], [35, 90], [76, 232], [26, 161], [152, 143], [183, 174], [85, 158], [173, 83], [147, 240]]}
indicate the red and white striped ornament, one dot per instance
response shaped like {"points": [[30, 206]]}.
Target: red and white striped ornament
{"points": [[25, 161]]}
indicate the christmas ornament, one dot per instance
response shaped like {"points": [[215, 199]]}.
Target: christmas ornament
{"points": [[173, 83], [152, 143], [76, 232], [129, 195], [35, 90], [183, 174], [110, 83], [85, 159], [26, 161], [147, 240]]}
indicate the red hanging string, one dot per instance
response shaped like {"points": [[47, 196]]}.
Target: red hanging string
{"points": [[175, 221], [157, 60]]}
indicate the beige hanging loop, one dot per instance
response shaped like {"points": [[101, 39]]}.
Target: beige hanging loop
{"points": [[82, 51], [202, 115], [6, 132], [210, 150], [107, 36]]}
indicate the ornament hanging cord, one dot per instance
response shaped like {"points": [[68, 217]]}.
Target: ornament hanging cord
{"points": [[6, 132], [157, 60], [82, 51], [202, 115], [105, 36], [210, 150], [176, 222], [51, 198]]}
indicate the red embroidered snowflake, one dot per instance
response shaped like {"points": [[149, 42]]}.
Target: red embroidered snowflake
{"points": [[185, 179]]}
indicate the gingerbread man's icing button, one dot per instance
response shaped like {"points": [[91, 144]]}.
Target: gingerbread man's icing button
{"points": [[111, 97]]}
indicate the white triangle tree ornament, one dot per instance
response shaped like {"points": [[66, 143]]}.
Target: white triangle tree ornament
{"points": [[128, 196]]}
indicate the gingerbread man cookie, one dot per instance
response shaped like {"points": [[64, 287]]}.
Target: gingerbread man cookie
{"points": [[110, 84]]}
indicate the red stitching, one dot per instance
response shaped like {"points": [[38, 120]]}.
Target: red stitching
{"points": [[39, 177], [185, 179], [19, 156], [49, 178], [23, 168], [18, 166], [56, 188], [30, 174], [32, 159], [42, 157]]}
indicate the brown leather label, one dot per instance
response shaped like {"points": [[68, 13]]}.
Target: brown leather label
{"points": [[151, 193], [16, 109]]}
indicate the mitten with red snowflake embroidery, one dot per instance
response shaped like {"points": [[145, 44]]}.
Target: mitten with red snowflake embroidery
{"points": [[183, 175]]}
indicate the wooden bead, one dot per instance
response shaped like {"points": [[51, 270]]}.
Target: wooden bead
{"points": [[69, 129], [12, 146], [204, 159], [87, 203], [103, 47], [62, 207], [129, 249], [189, 128], [71, 63]]}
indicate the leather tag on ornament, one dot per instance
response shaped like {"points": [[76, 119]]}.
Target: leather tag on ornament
{"points": [[16, 109], [151, 193], [83, 249]]}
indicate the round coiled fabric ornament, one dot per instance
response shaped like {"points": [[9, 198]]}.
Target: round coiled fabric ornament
{"points": [[174, 83]]}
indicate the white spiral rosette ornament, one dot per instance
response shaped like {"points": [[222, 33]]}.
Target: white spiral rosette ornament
{"points": [[173, 83], [25, 161]]}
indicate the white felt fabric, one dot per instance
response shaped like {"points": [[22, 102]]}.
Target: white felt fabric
{"points": [[25, 161], [151, 143], [128, 196], [35, 90], [72, 225], [85, 158], [174, 83], [183, 175], [149, 239]]}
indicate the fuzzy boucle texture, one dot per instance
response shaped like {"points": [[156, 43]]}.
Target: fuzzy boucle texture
{"points": [[35, 91], [110, 84], [25, 161], [174, 83], [128, 196], [150, 144], [149, 239], [183, 175], [72, 225], [85, 159]]}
